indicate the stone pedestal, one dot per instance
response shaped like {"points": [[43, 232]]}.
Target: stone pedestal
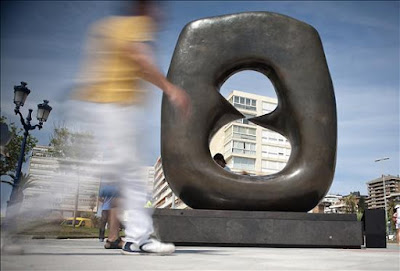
{"points": [[254, 228]]}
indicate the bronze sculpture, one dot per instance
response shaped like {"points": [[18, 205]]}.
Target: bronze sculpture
{"points": [[289, 52]]}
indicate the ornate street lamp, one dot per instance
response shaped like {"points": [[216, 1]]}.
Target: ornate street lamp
{"points": [[20, 94], [43, 111]]}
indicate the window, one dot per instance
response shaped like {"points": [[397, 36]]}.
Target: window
{"points": [[228, 134], [268, 107], [274, 152], [243, 163], [244, 133], [272, 165], [269, 136], [244, 148], [228, 147], [244, 103]]}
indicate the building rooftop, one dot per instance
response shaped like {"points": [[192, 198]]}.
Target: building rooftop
{"points": [[387, 177]]}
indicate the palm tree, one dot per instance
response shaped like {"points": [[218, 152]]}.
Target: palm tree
{"points": [[351, 202], [25, 181]]}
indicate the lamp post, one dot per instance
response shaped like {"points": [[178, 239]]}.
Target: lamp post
{"points": [[384, 192], [20, 94]]}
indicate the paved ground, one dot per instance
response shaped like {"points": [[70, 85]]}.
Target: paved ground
{"points": [[88, 254]]}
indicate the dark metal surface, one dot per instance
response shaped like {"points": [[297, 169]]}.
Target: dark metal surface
{"points": [[290, 53], [244, 228], [374, 228]]}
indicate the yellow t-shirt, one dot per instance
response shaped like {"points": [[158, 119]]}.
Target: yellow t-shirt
{"points": [[109, 75]]}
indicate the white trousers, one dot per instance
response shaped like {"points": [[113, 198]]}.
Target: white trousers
{"points": [[118, 132]]}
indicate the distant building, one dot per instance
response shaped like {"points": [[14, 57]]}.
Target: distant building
{"points": [[336, 204], [325, 204], [338, 207], [249, 147], [57, 188], [149, 175], [376, 192], [163, 197], [341, 207]]}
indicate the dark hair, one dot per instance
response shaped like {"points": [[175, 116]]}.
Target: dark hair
{"points": [[138, 7], [219, 157]]}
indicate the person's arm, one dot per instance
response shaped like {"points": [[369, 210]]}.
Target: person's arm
{"points": [[142, 55]]}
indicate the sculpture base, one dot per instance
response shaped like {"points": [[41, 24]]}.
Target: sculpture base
{"points": [[254, 228]]}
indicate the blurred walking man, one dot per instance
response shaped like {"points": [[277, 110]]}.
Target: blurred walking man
{"points": [[119, 57]]}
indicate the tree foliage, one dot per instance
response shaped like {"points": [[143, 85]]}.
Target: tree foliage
{"points": [[8, 163], [93, 201], [68, 144], [361, 204], [25, 181], [351, 203]]}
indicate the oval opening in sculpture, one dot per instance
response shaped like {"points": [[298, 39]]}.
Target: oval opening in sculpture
{"points": [[248, 148]]}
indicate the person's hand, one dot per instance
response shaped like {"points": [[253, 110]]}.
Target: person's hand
{"points": [[180, 99]]}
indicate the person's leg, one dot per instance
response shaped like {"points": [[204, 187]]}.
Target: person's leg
{"points": [[103, 222], [113, 240], [120, 133], [113, 221], [113, 233], [139, 222]]}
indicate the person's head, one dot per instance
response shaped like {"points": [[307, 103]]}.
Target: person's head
{"points": [[220, 160], [153, 9]]}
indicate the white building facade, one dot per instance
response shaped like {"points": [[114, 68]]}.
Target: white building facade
{"points": [[59, 184], [246, 146], [163, 197], [376, 191]]}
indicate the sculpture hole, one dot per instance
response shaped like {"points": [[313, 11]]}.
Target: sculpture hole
{"points": [[250, 149]]}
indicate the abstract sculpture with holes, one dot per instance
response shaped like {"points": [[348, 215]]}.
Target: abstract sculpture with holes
{"points": [[289, 52]]}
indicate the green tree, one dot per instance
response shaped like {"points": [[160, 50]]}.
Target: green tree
{"points": [[351, 202], [92, 205], [93, 201], [25, 182], [8, 163], [67, 144], [73, 147], [361, 204]]}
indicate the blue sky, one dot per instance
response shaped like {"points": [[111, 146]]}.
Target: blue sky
{"points": [[41, 43]]}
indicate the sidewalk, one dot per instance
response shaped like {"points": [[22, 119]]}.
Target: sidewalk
{"points": [[89, 254]]}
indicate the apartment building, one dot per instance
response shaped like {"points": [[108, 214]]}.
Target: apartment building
{"points": [[376, 191], [246, 146], [149, 175], [163, 197], [326, 205], [60, 185]]}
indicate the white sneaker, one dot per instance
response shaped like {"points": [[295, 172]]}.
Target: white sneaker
{"points": [[150, 246]]}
